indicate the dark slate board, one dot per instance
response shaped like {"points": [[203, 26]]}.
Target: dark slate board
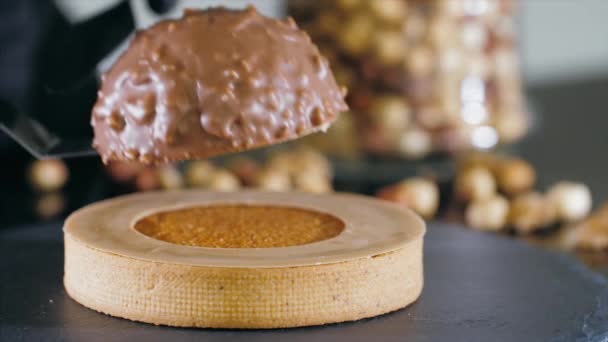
{"points": [[478, 287]]}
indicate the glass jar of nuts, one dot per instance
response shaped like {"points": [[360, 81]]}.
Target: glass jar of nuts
{"points": [[424, 76]]}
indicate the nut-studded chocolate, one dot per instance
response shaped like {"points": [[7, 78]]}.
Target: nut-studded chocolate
{"points": [[213, 82]]}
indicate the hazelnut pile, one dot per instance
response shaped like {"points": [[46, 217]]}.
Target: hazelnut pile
{"points": [[495, 193], [47, 178], [498, 193], [299, 169], [424, 75], [590, 234]]}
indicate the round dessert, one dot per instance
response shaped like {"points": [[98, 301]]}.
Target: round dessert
{"points": [[213, 82], [244, 259]]}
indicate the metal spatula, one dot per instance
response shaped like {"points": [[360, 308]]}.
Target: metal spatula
{"points": [[37, 139]]}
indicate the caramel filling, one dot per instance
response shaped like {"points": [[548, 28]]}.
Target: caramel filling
{"points": [[240, 226]]}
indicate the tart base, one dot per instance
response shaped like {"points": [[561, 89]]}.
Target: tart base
{"points": [[216, 297], [166, 284]]}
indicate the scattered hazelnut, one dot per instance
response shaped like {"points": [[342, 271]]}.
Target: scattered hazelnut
{"points": [[451, 8], [487, 160], [391, 113], [589, 234], [355, 35], [390, 47], [48, 175], [223, 180], [415, 143], [515, 176], [147, 180], [474, 35], [415, 26], [530, 212], [282, 161], [273, 179], [348, 5], [328, 22], [451, 59], [432, 117], [474, 184], [419, 194], [420, 61], [49, 205], [198, 173], [441, 31], [312, 182], [245, 169], [309, 160], [505, 61], [344, 75], [489, 214], [393, 11], [122, 171], [170, 178], [572, 200], [510, 127]]}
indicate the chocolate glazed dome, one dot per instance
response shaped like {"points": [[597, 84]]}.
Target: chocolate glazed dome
{"points": [[213, 82]]}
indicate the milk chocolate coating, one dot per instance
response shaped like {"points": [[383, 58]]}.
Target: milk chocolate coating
{"points": [[213, 82]]}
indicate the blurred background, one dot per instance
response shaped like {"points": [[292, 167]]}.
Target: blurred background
{"points": [[490, 113]]}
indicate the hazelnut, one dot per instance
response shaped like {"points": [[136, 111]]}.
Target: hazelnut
{"points": [[505, 60], [474, 184], [451, 8], [510, 127], [170, 178], [328, 22], [281, 160], [49, 205], [415, 143], [198, 173], [572, 200], [273, 179], [391, 112], [390, 47], [245, 169], [348, 5], [344, 75], [418, 194], [223, 180], [48, 175], [515, 176], [487, 160], [356, 33], [420, 61], [122, 171], [489, 214], [309, 160], [454, 138], [393, 11], [530, 212], [474, 35], [432, 117], [589, 234], [451, 60], [147, 180], [415, 26], [314, 182], [441, 31], [478, 65]]}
